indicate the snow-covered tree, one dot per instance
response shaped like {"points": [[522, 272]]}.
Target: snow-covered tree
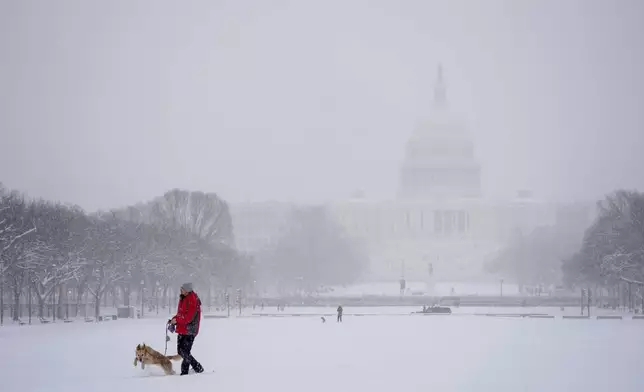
{"points": [[104, 244], [51, 248], [203, 214], [199, 236], [613, 247], [15, 226], [53, 257], [315, 251], [535, 258]]}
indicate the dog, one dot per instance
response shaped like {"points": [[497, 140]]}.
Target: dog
{"points": [[146, 355]]}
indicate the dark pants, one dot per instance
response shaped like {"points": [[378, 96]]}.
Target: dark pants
{"points": [[184, 346], [339, 317]]}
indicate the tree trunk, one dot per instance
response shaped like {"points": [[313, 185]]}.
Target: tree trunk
{"points": [[164, 296], [97, 304], [79, 297], [17, 290], [86, 303], [59, 306], [41, 306], [16, 307], [126, 295]]}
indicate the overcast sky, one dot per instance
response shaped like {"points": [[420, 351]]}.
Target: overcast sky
{"points": [[106, 103]]}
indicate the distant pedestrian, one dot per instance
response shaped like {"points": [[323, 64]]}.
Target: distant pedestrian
{"points": [[340, 310]]}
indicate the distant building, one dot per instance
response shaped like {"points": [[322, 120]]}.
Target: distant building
{"points": [[439, 156], [440, 221]]}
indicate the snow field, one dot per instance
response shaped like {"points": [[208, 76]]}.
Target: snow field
{"points": [[362, 354]]}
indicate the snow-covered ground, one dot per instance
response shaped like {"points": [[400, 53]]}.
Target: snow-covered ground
{"points": [[406, 310], [386, 353]]}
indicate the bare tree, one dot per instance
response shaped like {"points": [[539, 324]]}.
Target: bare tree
{"points": [[613, 247], [203, 214], [535, 258], [52, 247], [52, 258], [14, 225], [313, 252], [103, 241]]}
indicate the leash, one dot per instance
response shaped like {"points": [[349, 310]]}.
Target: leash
{"points": [[167, 339]]}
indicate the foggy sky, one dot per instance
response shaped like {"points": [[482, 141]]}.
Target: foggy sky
{"points": [[106, 103]]}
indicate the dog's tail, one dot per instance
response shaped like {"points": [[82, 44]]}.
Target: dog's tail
{"points": [[174, 357]]}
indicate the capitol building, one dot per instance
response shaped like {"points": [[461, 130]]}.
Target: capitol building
{"points": [[440, 226]]}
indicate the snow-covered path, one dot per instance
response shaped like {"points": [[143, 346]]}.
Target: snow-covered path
{"points": [[386, 353]]}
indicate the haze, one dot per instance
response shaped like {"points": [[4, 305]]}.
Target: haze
{"points": [[104, 104]]}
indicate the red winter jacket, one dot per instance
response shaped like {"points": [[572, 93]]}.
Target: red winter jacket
{"points": [[188, 314]]}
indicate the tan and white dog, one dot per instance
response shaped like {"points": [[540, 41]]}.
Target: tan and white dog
{"points": [[146, 355]]}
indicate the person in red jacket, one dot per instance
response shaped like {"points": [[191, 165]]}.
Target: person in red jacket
{"points": [[187, 322]]}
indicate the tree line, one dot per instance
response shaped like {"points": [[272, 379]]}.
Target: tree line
{"points": [[612, 249], [312, 253], [48, 250], [608, 254]]}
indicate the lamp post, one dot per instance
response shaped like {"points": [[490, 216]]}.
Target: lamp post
{"points": [[30, 280], [228, 303], [157, 295], [239, 300], [142, 296], [583, 295], [501, 283], [69, 293]]}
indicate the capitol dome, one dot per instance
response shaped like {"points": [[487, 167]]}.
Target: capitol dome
{"points": [[439, 156]]}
